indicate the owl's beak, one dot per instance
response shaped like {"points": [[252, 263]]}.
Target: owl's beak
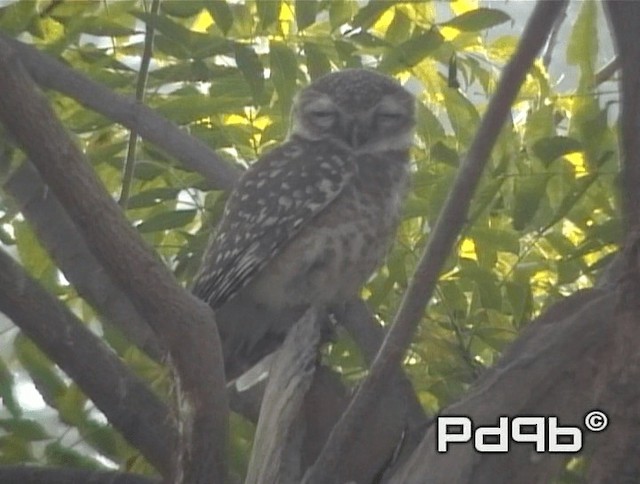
{"points": [[358, 133]]}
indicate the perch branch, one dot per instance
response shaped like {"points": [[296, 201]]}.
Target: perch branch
{"points": [[277, 453]]}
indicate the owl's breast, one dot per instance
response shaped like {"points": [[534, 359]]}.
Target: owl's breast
{"points": [[336, 252]]}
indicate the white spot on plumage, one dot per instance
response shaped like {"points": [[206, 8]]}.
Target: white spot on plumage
{"points": [[325, 186], [270, 221], [285, 202]]}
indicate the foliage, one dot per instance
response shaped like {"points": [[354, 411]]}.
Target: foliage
{"points": [[542, 224]]}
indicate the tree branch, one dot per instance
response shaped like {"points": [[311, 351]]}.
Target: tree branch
{"points": [[623, 20], [445, 233], [184, 324], [58, 475], [554, 368], [193, 153], [143, 73], [56, 232], [277, 449], [126, 400], [59, 236]]}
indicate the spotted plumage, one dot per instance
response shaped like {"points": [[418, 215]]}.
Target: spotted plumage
{"points": [[312, 219]]}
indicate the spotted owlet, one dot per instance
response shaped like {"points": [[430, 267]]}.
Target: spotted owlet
{"points": [[312, 219]]}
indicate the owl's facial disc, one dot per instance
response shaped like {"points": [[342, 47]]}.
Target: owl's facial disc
{"points": [[383, 125]]}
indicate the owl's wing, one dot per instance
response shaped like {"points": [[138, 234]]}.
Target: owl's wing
{"points": [[271, 203]]}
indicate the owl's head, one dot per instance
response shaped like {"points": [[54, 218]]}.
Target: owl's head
{"points": [[362, 110]]}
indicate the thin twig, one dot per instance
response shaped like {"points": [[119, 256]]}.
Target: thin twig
{"points": [[143, 74], [607, 72]]}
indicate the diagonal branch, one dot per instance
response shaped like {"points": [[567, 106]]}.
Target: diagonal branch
{"points": [[183, 324], [59, 475], [623, 18], [133, 409], [556, 368], [59, 236], [141, 85], [445, 233], [194, 154]]}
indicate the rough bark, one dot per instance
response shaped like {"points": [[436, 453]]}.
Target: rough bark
{"points": [[182, 323], [126, 401]]}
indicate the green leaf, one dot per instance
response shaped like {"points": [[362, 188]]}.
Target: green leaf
{"points": [[370, 13], [58, 455], [411, 52], [485, 284], [529, 191], [249, 64], [78, 8], [40, 369], [318, 63], [70, 406], [167, 221], [101, 437], [268, 12], [582, 49], [189, 71], [463, 115], [569, 270], [479, 19], [495, 337], [306, 11], [443, 154], [341, 12], [152, 197], [221, 13], [503, 240], [284, 73], [27, 430], [399, 29], [7, 396], [180, 8], [33, 256], [519, 297], [549, 149], [429, 127], [103, 27], [167, 27], [14, 450], [234, 90], [176, 40], [16, 17], [189, 108]]}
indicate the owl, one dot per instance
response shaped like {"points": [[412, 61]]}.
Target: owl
{"points": [[313, 218]]}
